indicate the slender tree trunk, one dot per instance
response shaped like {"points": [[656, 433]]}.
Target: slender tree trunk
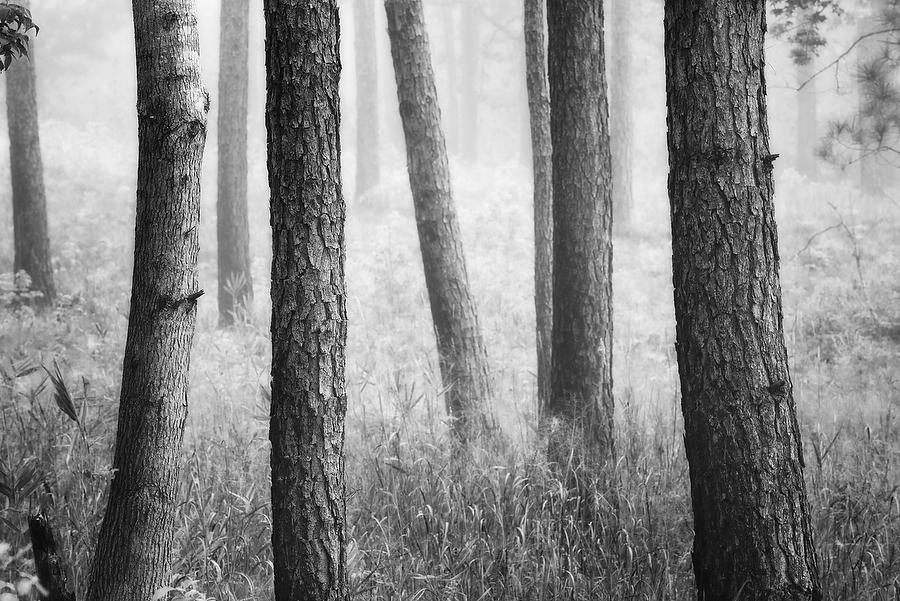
{"points": [[367, 146], [581, 381], [232, 223], [133, 551], [542, 160], [471, 69], [621, 117], [461, 349], [309, 316], [807, 116], [751, 516], [31, 240]]}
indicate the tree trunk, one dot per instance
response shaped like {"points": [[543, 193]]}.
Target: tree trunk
{"points": [[309, 317], [807, 114], [132, 558], [751, 516], [368, 151], [542, 161], [581, 381], [51, 567], [31, 241], [461, 349], [621, 117], [232, 223], [471, 69]]}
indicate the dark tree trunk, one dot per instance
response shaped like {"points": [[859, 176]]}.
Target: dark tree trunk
{"points": [[309, 317], [751, 515], [471, 70], [807, 117], [581, 380], [461, 349], [542, 161], [367, 138], [31, 240], [51, 567], [621, 117], [232, 223], [132, 558]]}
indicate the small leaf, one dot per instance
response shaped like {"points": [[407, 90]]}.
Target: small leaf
{"points": [[62, 397]]}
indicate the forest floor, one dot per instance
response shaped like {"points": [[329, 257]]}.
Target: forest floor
{"points": [[422, 526]]}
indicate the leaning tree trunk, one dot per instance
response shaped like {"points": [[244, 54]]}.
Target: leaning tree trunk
{"points": [[31, 241], [367, 146], [461, 350], [621, 117], [232, 222], [751, 516], [309, 317], [471, 77], [132, 558], [542, 161], [581, 397]]}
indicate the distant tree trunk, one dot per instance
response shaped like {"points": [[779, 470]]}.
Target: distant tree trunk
{"points": [[621, 117], [133, 551], [461, 350], [471, 80], [232, 224], [751, 516], [807, 115], [581, 381], [542, 160], [451, 116], [309, 316], [51, 567], [31, 240], [367, 146]]}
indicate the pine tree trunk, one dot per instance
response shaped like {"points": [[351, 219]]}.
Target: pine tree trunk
{"points": [[31, 240], [471, 77], [133, 551], [542, 161], [807, 116], [621, 117], [581, 397], [751, 516], [461, 350], [232, 223], [309, 317], [368, 151]]}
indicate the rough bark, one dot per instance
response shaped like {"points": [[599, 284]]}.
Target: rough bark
{"points": [[542, 168], [309, 317], [132, 558], [751, 516], [461, 350], [52, 569], [232, 221], [621, 116], [368, 151], [29, 200], [807, 117], [581, 397], [471, 77]]}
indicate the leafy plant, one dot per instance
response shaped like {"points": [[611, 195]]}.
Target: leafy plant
{"points": [[15, 23]]}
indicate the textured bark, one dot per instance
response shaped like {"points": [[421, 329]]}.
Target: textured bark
{"points": [[309, 317], [133, 551], [51, 567], [461, 350], [471, 77], [368, 151], [542, 163], [807, 116], [31, 240], [751, 516], [620, 107], [581, 380], [232, 221]]}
